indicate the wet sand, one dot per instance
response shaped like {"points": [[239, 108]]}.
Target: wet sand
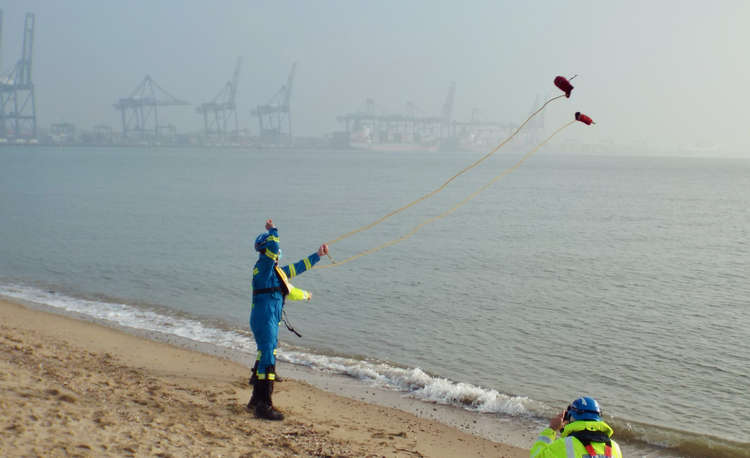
{"points": [[75, 388]]}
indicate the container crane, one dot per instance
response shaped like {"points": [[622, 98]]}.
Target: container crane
{"points": [[275, 117], [222, 109], [140, 116]]}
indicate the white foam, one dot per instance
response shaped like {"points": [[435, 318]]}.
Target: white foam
{"points": [[418, 384], [132, 317], [413, 381]]}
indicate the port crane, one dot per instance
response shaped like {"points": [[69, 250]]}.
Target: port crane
{"points": [[275, 117], [140, 115], [17, 102], [219, 112]]}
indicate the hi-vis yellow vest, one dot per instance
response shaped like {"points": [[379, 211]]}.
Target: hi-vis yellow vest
{"points": [[286, 287]]}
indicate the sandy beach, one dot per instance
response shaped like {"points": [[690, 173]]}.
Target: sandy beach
{"points": [[75, 388]]}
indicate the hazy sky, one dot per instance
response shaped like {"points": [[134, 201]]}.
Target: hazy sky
{"points": [[660, 73]]}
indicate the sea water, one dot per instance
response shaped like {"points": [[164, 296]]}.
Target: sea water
{"points": [[621, 278]]}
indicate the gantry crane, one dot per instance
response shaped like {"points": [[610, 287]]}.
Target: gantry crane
{"points": [[448, 111], [275, 117], [218, 112], [17, 103], [140, 116]]}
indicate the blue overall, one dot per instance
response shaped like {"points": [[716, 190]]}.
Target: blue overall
{"points": [[265, 315]]}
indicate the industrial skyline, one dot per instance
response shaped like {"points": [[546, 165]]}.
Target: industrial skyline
{"points": [[663, 75], [140, 120]]}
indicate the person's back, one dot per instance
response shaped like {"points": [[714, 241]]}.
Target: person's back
{"points": [[583, 434]]}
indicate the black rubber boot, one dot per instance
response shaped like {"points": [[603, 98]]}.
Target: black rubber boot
{"points": [[264, 408], [254, 374], [255, 397]]}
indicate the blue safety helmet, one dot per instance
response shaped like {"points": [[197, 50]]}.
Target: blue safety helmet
{"points": [[584, 408], [260, 243]]}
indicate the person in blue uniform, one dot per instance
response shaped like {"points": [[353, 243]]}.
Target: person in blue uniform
{"points": [[271, 287]]}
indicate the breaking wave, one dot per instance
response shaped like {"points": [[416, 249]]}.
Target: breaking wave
{"points": [[414, 382]]}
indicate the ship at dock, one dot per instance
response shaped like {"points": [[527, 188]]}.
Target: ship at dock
{"points": [[372, 128]]}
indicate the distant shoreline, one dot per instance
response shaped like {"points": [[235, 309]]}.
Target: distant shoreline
{"points": [[567, 150]]}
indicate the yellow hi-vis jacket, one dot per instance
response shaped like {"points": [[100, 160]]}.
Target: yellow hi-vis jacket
{"points": [[547, 445], [297, 294]]}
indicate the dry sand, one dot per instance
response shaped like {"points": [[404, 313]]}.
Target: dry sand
{"points": [[74, 388]]}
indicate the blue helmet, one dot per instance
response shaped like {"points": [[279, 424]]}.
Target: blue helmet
{"points": [[584, 408], [260, 243]]}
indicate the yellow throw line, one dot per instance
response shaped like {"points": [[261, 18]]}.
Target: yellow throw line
{"points": [[441, 187], [448, 212]]}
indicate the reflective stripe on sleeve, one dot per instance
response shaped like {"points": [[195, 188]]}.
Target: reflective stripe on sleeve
{"points": [[546, 437], [272, 238], [255, 271], [292, 271], [570, 450], [307, 264], [539, 449]]}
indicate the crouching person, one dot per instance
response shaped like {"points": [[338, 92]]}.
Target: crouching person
{"points": [[582, 434]]}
